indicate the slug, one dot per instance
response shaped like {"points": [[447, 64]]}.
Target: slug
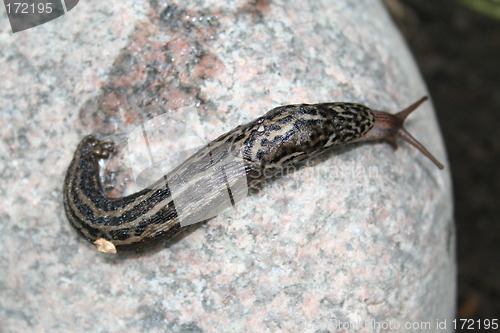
{"points": [[252, 152]]}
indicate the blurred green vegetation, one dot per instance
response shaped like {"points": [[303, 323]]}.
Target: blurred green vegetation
{"points": [[486, 7]]}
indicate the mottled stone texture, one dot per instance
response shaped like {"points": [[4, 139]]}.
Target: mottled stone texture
{"points": [[359, 240]]}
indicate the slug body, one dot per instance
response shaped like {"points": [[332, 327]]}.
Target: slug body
{"points": [[253, 152]]}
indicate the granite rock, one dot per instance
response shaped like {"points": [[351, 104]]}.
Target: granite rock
{"points": [[361, 239]]}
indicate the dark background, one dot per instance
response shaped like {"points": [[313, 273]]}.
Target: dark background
{"points": [[458, 52]]}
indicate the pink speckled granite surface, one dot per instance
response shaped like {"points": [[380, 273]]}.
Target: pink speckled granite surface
{"points": [[363, 235]]}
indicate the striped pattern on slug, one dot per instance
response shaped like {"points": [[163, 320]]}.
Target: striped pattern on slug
{"points": [[282, 137]]}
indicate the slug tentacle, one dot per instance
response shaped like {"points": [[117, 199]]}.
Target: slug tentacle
{"points": [[389, 127]]}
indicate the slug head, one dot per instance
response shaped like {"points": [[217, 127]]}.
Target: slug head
{"points": [[389, 127]]}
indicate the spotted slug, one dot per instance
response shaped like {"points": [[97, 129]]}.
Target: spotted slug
{"points": [[246, 155]]}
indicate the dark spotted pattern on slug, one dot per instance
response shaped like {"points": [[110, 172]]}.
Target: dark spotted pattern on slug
{"points": [[278, 139]]}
